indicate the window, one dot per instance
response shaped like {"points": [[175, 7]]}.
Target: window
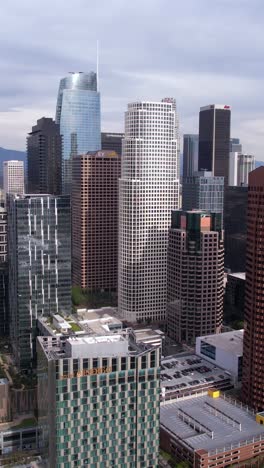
{"points": [[208, 350]]}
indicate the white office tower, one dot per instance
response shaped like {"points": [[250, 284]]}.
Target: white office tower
{"points": [[148, 192], [240, 165], [14, 177]]}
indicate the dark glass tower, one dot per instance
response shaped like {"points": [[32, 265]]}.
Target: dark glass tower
{"points": [[190, 154], [235, 227], [253, 375], [112, 142], [44, 158], [214, 139], [39, 252]]}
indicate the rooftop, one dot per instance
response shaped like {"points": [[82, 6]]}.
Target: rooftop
{"points": [[119, 344], [231, 341], [241, 275], [210, 423], [182, 373]]}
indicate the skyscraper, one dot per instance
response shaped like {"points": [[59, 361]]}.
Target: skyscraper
{"points": [[240, 165], [39, 252], [44, 157], [214, 139], [14, 177], [253, 376], [195, 275], [203, 191], [95, 220], [235, 206], [98, 401], [172, 101], [235, 145], [190, 154], [148, 191], [78, 114], [112, 142], [4, 322]]}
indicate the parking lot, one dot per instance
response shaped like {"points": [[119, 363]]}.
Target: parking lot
{"points": [[183, 374]]}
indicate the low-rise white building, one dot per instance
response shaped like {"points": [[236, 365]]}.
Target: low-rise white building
{"points": [[225, 350]]}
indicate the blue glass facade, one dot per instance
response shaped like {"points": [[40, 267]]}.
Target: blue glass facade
{"points": [[79, 116]]}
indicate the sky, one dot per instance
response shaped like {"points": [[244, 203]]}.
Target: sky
{"points": [[198, 51]]}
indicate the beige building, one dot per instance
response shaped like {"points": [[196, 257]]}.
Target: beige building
{"points": [[14, 177], [95, 220], [195, 275]]}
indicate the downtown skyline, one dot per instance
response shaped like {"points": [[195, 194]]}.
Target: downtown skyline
{"points": [[195, 70]]}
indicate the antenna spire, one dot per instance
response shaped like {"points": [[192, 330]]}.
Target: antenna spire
{"points": [[97, 64]]}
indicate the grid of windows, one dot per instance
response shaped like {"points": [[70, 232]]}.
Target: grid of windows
{"points": [[148, 191]]}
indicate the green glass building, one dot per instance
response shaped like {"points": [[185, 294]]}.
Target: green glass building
{"points": [[98, 400]]}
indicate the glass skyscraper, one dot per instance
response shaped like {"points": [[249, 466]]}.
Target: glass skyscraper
{"points": [[39, 252], [78, 114], [203, 191]]}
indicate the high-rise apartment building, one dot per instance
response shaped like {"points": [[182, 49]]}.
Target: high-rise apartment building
{"points": [[39, 252], [148, 191], [235, 225], [253, 376], [78, 114], [44, 158], [214, 139], [98, 401], [204, 192], [190, 155], [4, 322], [240, 165], [195, 275], [112, 142], [95, 220], [14, 177]]}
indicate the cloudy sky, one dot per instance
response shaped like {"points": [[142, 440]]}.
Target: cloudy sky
{"points": [[200, 51]]}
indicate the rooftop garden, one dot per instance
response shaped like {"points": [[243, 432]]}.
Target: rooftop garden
{"points": [[92, 300]]}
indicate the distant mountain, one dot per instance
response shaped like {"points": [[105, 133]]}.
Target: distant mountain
{"points": [[8, 155], [259, 163]]}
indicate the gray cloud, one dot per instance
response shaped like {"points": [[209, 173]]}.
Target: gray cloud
{"points": [[198, 51]]}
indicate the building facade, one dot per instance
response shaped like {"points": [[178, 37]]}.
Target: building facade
{"points": [[39, 252], [14, 177], [224, 350], [203, 191], [4, 322], [112, 142], [148, 191], [44, 148], [190, 154], [95, 220], [235, 226], [240, 165], [79, 117], [214, 139], [253, 377], [98, 400], [195, 275], [235, 145]]}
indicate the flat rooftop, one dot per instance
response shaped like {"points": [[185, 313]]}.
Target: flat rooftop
{"points": [[231, 341], [84, 346], [186, 372], [218, 423]]}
